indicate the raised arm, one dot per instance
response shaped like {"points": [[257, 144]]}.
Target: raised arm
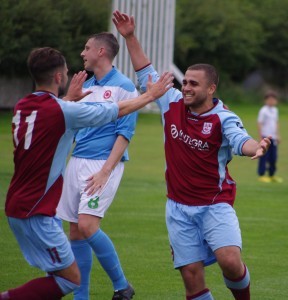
{"points": [[126, 27]]}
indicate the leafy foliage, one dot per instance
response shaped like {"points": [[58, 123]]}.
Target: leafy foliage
{"points": [[236, 36], [61, 24]]}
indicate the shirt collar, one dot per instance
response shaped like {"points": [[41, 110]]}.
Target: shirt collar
{"points": [[106, 78]]}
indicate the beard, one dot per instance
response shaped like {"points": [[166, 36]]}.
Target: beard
{"points": [[197, 101], [62, 91]]}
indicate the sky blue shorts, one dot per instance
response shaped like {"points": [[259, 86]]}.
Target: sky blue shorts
{"points": [[43, 242], [195, 232]]}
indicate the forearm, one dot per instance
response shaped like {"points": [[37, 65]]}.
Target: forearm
{"points": [[250, 147], [138, 57], [116, 154], [131, 105]]}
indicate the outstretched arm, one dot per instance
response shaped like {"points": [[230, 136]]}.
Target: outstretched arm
{"points": [[154, 91], [254, 149], [126, 26]]}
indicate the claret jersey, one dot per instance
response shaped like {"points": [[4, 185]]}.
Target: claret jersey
{"points": [[43, 129], [198, 148]]}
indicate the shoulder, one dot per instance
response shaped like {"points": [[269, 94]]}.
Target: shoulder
{"points": [[89, 82], [122, 81]]}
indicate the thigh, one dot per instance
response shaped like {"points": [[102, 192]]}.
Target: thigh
{"points": [[186, 239], [221, 227], [69, 202], [98, 203], [43, 242]]}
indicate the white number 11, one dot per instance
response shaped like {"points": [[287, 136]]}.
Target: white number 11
{"points": [[30, 120]]}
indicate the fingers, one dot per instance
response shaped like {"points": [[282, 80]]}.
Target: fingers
{"points": [[167, 79], [79, 78]]}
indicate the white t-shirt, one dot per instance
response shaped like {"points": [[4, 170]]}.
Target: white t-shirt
{"points": [[268, 119]]}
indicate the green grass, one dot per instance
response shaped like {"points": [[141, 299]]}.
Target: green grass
{"points": [[136, 224]]}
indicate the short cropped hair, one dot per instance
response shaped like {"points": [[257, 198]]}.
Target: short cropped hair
{"points": [[42, 62], [109, 41], [210, 71], [271, 94]]}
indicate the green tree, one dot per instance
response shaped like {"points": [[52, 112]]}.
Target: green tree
{"points": [[224, 33], [64, 24]]}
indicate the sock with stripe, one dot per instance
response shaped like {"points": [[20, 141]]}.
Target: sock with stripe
{"points": [[240, 287], [203, 295]]}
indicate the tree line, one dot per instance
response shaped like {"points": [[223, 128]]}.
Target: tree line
{"points": [[237, 36]]}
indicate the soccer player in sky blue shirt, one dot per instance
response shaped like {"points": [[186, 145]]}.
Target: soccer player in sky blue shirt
{"points": [[98, 157]]}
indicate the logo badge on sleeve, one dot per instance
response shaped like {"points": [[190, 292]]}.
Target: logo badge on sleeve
{"points": [[207, 128]]}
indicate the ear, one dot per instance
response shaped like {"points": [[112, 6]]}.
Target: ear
{"points": [[212, 89], [101, 51], [58, 77]]}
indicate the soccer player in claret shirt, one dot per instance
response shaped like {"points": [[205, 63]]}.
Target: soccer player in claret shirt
{"points": [[43, 131], [200, 134], [98, 156]]}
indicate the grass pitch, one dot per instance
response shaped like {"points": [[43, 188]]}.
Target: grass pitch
{"points": [[135, 222]]}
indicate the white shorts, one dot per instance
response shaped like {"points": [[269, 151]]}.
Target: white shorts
{"points": [[74, 199]]}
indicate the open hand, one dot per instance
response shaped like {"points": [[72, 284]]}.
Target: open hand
{"points": [[74, 92], [124, 24], [96, 182], [159, 88], [263, 147]]}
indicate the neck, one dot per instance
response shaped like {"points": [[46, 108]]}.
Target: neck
{"points": [[49, 89], [101, 71]]}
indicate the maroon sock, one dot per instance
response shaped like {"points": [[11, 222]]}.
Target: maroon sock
{"points": [[243, 294], [205, 291], [44, 288]]}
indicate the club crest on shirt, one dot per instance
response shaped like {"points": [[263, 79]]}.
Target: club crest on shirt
{"points": [[107, 94], [207, 128]]}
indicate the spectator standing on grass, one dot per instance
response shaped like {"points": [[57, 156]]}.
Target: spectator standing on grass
{"points": [[200, 133], [268, 125], [99, 154], [43, 130]]}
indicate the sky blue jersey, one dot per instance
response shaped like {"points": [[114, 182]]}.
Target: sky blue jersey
{"points": [[97, 143]]}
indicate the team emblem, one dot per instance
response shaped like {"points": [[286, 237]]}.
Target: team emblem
{"points": [[107, 94], [207, 128], [93, 202]]}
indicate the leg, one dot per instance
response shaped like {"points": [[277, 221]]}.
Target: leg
{"points": [[262, 165], [236, 275], [45, 246], [83, 255], [272, 158], [187, 246], [89, 227]]}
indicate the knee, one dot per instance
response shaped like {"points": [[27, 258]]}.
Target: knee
{"points": [[232, 267], [87, 226], [193, 278]]}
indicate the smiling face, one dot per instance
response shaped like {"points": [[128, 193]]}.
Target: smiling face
{"points": [[197, 91]]}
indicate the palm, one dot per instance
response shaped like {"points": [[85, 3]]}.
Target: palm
{"points": [[124, 24]]}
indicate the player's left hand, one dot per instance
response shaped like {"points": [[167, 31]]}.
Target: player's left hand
{"points": [[96, 182], [74, 92], [263, 147]]}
